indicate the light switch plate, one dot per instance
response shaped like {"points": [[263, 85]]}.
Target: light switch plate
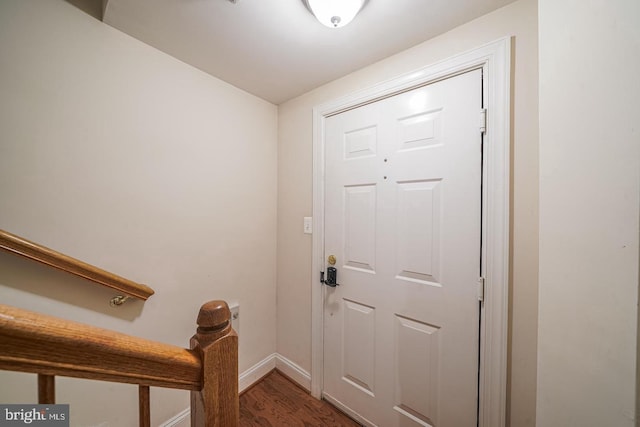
{"points": [[308, 225]]}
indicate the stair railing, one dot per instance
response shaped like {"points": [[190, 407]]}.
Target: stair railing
{"points": [[36, 252], [49, 347]]}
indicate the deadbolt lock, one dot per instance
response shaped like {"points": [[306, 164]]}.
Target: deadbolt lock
{"points": [[331, 260]]}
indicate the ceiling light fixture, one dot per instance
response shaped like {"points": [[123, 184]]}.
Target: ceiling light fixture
{"points": [[334, 13]]}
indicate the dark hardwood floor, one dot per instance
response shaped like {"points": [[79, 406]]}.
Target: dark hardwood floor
{"points": [[276, 401]]}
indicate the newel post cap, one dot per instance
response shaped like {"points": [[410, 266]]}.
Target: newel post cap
{"points": [[213, 315]]}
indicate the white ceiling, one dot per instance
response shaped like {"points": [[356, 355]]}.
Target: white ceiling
{"points": [[275, 49]]}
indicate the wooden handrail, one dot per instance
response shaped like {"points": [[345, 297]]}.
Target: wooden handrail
{"points": [[48, 346], [23, 247], [32, 342]]}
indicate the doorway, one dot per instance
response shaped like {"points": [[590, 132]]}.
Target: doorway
{"points": [[493, 62]]}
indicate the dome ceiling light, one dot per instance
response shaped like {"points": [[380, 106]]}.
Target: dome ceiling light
{"points": [[334, 13]]}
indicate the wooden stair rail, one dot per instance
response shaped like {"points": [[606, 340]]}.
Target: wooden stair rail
{"points": [[48, 346], [23, 247]]}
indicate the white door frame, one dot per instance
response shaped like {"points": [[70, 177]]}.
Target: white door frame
{"points": [[495, 61]]}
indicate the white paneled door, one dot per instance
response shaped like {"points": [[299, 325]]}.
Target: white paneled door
{"points": [[403, 221]]}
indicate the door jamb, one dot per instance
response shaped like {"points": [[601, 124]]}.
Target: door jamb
{"points": [[495, 60]]}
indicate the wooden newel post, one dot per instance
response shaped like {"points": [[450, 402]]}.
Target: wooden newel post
{"points": [[216, 405]]}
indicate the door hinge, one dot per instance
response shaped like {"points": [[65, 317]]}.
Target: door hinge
{"points": [[481, 289], [483, 120]]}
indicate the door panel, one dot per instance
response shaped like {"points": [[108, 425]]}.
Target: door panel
{"points": [[402, 217], [418, 235], [359, 227], [359, 346], [417, 367], [419, 131]]}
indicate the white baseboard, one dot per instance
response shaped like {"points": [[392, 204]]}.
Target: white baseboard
{"points": [[293, 371], [251, 376], [183, 419], [257, 371]]}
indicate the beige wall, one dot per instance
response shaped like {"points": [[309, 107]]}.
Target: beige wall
{"points": [[122, 156], [589, 212], [295, 196]]}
